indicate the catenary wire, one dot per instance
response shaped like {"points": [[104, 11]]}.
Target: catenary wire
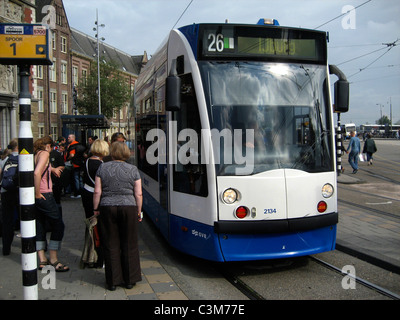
{"points": [[342, 14], [187, 7]]}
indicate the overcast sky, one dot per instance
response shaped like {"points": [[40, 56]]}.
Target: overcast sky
{"points": [[135, 26]]}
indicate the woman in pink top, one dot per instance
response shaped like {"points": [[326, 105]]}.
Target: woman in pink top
{"points": [[47, 212]]}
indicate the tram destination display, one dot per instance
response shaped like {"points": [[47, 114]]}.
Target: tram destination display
{"points": [[219, 41]]}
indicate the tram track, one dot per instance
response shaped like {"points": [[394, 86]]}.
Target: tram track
{"points": [[359, 280], [385, 198], [240, 283], [382, 177], [373, 210]]}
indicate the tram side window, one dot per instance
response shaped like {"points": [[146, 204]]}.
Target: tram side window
{"points": [[191, 177], [146, 122]]}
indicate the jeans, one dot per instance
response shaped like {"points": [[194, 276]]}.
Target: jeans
{"points": [[78, 181], [48, 217], [353, 160]]}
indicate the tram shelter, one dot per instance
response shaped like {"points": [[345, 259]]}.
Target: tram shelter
{"points": [[83, 126]]}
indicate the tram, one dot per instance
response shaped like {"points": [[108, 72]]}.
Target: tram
{"points": [[235, 141]]}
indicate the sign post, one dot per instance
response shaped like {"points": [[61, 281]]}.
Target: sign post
{"points": [[25, 45]]}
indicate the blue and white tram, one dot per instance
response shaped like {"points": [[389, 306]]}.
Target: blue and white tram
{"points": [[235, 141]]}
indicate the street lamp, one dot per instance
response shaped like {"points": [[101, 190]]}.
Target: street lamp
{"points": [[98, 55], [381, 106]]}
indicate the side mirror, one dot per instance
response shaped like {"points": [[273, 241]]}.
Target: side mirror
{"points": [[342, 93], [342, 90], [173, 93], [173, 89]]}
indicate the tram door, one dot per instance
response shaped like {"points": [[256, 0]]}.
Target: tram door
{"points": [[188, 189]]}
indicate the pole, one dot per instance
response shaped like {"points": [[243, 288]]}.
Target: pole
{"points": [[391, 122], [27, 189], [98, 60], [339, 146]]}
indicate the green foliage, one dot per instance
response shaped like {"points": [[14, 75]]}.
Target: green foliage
{"points": [[383, 121], [115, 91]]}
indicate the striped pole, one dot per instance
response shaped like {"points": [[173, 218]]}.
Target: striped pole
{"points": [[27, 190], [339, 147]]}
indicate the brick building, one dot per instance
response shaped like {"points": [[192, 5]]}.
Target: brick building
{"points": [[52, 86]]}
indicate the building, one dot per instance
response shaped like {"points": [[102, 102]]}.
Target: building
{"points": [[52, 86], [53, 89], [84, 54]]}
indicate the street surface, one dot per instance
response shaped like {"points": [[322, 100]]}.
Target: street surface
{"points": [[379, 186]]}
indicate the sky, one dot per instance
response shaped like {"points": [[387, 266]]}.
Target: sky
{"points": [[362, 42]]}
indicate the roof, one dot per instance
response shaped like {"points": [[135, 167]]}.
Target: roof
{"points": [[83, 44]]}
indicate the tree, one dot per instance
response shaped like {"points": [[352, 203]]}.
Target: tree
{"points": [[115, 91], [383, 121]]}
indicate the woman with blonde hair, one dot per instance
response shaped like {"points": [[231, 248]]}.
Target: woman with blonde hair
{"points": [[47, 212], [98, 150], [118, 201]]}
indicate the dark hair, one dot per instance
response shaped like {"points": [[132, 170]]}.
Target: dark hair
{"points": [[117, 135], [13, 144], [40, 144]]}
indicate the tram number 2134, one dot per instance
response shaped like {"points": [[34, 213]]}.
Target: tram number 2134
{"points": [[269, 211]]}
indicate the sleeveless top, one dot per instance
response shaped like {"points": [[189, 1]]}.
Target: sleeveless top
{"points": [[46, 185]]}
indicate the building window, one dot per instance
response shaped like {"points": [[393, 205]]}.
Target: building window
{"points": [[59, 16], [63, 45], [64, 72], [148, 105], [52, 71], [39, 95], [40, 130], [84, 76], [75, 78], [160, 99], [53, 101], [64, 103], [53, 41], [39, 72], [53, 132]]}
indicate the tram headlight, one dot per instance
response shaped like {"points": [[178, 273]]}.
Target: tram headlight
{"points": [[327, 190], [229, 196]]}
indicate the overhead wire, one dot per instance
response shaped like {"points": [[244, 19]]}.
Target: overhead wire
{"points": [[389, 46], [343, 14], [375, 78], [187, 7], [363, 55]]}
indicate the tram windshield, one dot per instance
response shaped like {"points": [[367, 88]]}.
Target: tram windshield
{"points": [[287, 105]]}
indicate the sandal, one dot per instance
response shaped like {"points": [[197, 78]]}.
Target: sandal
{"points": [[43, 264], [59, 267]]}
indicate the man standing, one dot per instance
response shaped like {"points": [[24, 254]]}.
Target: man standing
{"points": [[75, 153], [355, 147], [9, 201]]}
